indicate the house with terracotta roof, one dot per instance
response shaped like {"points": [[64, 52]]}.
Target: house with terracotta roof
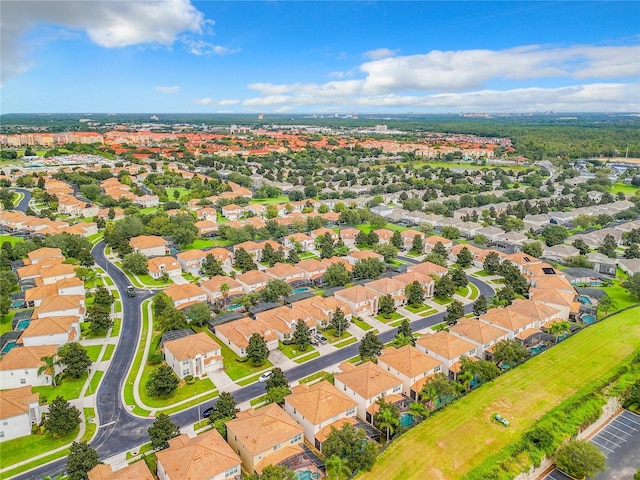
{"points": [[51, 331], [191, 261], [195, 355], [206, 228], [159, 266], [562, 300], [313, 269], [432, 240], [428, 269], [357, 256], [302, 240], [384, 235], [540, 313], [185, 295], [408, 236], [426, 282], [203, 457], [47, 271], [44, 253], [212, 288], [319, 232], [366, 384], [149, 245], [511, 321], [330, 261], [282, 320], [322, 309], [146, 201], [482, 334], [264, 437], [135, 471], [68, 286], [348, 236], [20, 367], [19, 410], [236, 334], [389, 286], [207, 213], [232, 211], [522, 261], [222, 255], [318, 408], [286, 272], [360, 300], [253, 280], [411, 366], [448, 348]]}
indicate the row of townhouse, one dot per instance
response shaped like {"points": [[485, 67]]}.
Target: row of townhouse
{"points": [[58, 308], [18, 222]]}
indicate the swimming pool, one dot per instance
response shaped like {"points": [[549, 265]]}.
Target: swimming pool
{"points": [[307, 475], [8, 347], [406, 419], [300, 290], [234, 307], [22, 324], [588, 319], [584, 299]]}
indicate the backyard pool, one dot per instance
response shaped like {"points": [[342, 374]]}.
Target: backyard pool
{"points": [[589, 319], [234, 307], [8, 347], [584, 299], [307, 475], [406, 419], [300, 290], [22, 324]]}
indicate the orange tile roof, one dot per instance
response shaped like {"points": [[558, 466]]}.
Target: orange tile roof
{"points": [[147, 241], [366, 379], [27, 357], [16, 401], [198, 458], [408, 360], [322, 435], [181, 292], [445, 344], [478, 331], [357, 294], [259, 430], [48, 326], [191, 255], [253, 277], [191, 346], [319, 402], [58, 303], [533, 309], [135, 471], [214, 283]]}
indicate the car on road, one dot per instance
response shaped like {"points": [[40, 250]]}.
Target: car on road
{"points": [[321, 338], [264, 377], [131, 292], [207, 413]]}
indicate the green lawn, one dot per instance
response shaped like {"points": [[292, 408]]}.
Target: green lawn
{"points": [[68, 388], [20, 449], [95, 381], [10, 239], [427, 312], [315, 377], [307, 255], [346, 342], [115, 331], [624, 188], [306, 358], [461, 437], [481, 273], [333, 337], [442, 301], [91, 426], [292, 351], [362, 324], [392, 317], [266, 201], [417, 309], [474, 291], [366, 227], [200, 243], [5, 323], [108, 353], [128, 385], [619, 295], [93, 351], [232, 367], [183, 193]]}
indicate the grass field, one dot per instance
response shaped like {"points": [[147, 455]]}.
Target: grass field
{"points": [[10, 239], [624, 188], [461, 436]]}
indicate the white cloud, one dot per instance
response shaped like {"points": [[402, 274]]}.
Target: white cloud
{"points": [[108, 23], [174, 89], [211, 101], [202, 47], [380, 53]]}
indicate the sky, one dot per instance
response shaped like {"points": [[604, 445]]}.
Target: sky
{"points": [[182, 56]]}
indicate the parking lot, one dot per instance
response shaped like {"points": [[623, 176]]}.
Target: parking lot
{"points": [[619, 440]]}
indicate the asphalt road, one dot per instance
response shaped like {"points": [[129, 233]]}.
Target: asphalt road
{"points": [[24, 203], [120, 431]]}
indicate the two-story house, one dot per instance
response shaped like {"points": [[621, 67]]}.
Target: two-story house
{"points": [[214, 290], [165, 265], [195, 355], [185, 295], [448, 348], [149, 245], [191, 261], [360, 300], [19, 410], [409, 365], [20, 367]]}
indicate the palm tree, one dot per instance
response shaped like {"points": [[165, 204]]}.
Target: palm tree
{"points": [[418, 410], [429, 395], [49, 365], [224, 290], [606, 304], [466, 377], [386, 419], [558, 329], [337, 467]]}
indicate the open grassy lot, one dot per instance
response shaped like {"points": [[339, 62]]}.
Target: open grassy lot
{"points": [[462, 436], [183, 193], [266, 201], [10, 239], [624, 188]]}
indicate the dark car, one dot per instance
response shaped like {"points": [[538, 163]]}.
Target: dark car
{"points": [[207, 413]]}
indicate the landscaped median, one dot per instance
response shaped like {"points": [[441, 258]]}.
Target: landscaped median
{"points": [[461, 437]]}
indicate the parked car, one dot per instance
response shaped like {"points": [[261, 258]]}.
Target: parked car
{"points": [[207, 413], [321, 338], [264, 377]]}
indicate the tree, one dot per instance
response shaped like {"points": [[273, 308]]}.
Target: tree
{"points": [[277, 394], [554, 234], [370, 346], [632, 285], [559, 329], [198, 314], [387, 417], [450, 232], [491, 262], [75, 359], [455, 310], [277, 379], [404, 335], [257, 350], [415, 293], [417, 245], [580, 459], [350, 443], [211, 267], [275, 290], [80, 460], [605, 304], [483, 370], [160, 304], [162, 382], [48, 366], [244, 261], [532, 248], [100, 318], [135, 263], [301, 335], [444, 287], [162, 430], [581, 245], [464, 257], [480, 306], [509, 353], [102, 296], [336, 275], [339, 322], [438, 391], [273, 472], [62, 418], [293, 257], [171, 319], [396, 240], [608, 246], [386, 306], [5, 305], [458, 277], [388, 251], [337, 468], [505, 295], [368, 268], [632, 251], [440, 250], [224, 408]]}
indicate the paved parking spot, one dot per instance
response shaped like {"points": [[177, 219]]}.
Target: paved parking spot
{"points": [[619, 440]]}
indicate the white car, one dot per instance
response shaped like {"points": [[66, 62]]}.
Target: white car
{"points": [[264, 377]]}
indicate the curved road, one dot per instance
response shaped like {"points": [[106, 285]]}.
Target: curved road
{"points": [[24, 203], [120, 431]]}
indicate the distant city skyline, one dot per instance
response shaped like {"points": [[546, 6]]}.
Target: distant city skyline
{"points": [[175, 56]]}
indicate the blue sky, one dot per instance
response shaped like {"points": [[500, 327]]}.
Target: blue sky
{"points": [[165, 56]]}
